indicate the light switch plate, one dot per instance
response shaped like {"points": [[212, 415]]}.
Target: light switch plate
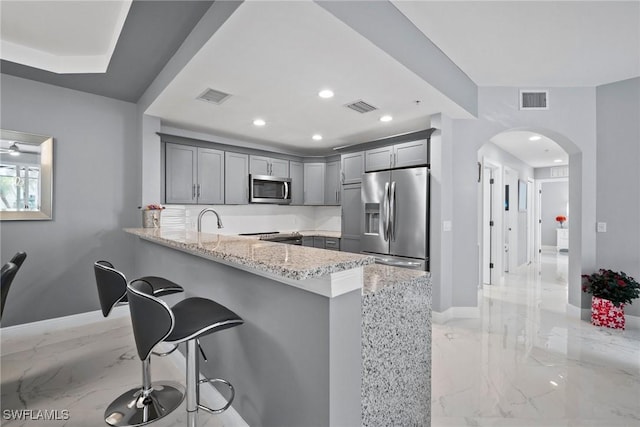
{"points": [[446, 225], [602, 227]]}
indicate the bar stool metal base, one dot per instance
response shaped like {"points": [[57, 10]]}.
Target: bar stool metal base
{"points": [[133, 409]]}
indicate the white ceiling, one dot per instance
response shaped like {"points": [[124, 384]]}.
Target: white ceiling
{"points": [[534, 43], [273, 57], [537, 154], [62, 36]]}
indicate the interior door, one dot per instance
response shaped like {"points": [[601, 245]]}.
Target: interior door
{"points": [[375, 186], [408, 210]]}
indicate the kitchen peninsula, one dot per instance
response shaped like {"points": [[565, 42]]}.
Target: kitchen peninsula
{"points": [[330, 338]]}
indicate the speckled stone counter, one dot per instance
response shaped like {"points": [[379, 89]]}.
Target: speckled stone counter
{"points": [[396, 347], [287, 261]]}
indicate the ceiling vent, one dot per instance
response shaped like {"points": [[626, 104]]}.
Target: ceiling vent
{"points": [[361, 106], [534, 99], [213, 96]]}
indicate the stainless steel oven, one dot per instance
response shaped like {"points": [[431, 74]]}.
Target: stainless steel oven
{"points": [[269, 189]]}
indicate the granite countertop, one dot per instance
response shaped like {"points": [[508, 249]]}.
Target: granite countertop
{"points": [[378, 276], [288, 261]]}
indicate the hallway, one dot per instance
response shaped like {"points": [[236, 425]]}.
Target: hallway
{"points": [[525, 363]]}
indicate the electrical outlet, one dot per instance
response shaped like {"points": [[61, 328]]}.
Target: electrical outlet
{"points": [[602, 227]]}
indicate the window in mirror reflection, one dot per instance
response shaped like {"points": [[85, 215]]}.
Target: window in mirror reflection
{"points": [[26, 169]]}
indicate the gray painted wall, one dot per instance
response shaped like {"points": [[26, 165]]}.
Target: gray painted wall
{"points": [[555, 195], [571, 123], [95, 195], [618, 182]]}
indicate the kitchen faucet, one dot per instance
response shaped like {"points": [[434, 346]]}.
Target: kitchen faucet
{"points": [[204, 211]]}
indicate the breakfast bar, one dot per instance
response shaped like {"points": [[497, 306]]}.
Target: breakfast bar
{"points": [[330, 338]]}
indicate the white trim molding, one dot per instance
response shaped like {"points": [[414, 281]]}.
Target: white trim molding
{"points": [[456, 313]]}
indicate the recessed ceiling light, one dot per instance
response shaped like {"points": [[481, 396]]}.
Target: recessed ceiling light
{"points": [[325, 93], [316, 137], [535, 138], [259, 122], [386, 118], [557, 161]]}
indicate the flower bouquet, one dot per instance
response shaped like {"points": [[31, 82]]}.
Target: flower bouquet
{"points": [[151, 215], [610, 291], [561, 219]]}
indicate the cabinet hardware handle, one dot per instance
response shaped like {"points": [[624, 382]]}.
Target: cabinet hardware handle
{"points": [[198, 190], [193, 192]]}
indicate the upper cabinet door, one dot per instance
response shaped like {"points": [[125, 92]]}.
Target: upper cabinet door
{"points": [[379, 159], [210, 186], [180, 174], [332, 183], [296, 173], [236, 178], [352, 167], [314, 183], [259, 165], [279, 168], [412, 153]]}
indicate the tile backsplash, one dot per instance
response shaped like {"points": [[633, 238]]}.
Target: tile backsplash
{"points": [[254, 218]]}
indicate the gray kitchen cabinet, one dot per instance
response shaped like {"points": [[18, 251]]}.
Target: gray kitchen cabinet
{"points": [[193, 175], [307, 241], [236, 178], [352, 214], [352, 167], [350, 245], [332, 243], [314, 174], [296, 173], [411, 153], [332, 183], [318, 242], [261, 165]]}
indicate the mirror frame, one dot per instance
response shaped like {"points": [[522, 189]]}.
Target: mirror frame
{"points": [[46, 176]]}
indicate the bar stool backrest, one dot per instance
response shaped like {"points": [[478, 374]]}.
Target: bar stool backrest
{"points": [[112, 286], [9, 271], [151, 318], [19, 258]]}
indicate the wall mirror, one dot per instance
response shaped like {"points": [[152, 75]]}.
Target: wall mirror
{"points": [[26, 176]]}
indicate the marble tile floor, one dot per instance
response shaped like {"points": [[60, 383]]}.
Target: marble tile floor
{"points": [[522, 363], [80, 370], [525, 363]]}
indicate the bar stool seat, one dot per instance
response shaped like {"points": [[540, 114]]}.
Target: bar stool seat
{"points": [[151, 400], [187, 321]]}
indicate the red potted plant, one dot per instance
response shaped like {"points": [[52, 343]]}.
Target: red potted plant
{"points": [[610, 291]]}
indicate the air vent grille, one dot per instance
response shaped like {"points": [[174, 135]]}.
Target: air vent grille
{"points": [[534, 99], [213, 96], [361, 106]]}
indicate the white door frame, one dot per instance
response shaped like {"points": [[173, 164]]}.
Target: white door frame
{"points": [[496, 209]]}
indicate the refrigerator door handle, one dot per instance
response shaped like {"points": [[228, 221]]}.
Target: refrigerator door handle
{"points": [[385, 211], [392, 211]]}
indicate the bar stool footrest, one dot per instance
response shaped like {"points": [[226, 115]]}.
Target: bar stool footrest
{"points": [[229, 402]]}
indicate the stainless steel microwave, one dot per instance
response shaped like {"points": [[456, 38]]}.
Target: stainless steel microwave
{"points": [[269, 189]]}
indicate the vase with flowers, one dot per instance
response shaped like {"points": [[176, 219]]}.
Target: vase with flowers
{"points": [[151, 215], [610, 291], [561, 219]]}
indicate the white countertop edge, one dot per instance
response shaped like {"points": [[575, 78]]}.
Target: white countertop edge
{"points": [[330, 285]]}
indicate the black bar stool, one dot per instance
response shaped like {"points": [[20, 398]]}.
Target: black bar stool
{"points": [[9, 271], [152, 400], [154, 322]]}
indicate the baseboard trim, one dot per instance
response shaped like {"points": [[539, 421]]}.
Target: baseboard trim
{"points": [[632, 322], [455, 313], [27, 330], [209, 394]]}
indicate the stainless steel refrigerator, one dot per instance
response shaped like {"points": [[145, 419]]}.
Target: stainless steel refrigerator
{"points": [[396, 214]]}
